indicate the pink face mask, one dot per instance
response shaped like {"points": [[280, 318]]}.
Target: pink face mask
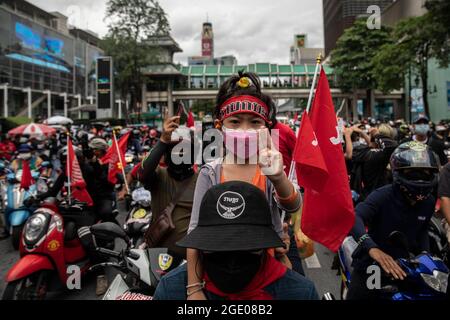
{"points": [[242, 143]]}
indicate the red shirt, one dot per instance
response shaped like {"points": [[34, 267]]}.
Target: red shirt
{"points": [[286, 143], [7, 149], [135, 170]]}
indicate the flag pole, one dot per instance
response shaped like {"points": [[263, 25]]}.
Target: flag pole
{"points": [[121, 163], [308, 108], [68, 170], [316, 72]]}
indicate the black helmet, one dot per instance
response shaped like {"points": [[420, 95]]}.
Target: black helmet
{"points": [[415, 170]]}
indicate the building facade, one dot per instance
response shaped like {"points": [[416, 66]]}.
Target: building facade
{"points": [[339, 15], [42, 56], [438, 78]]}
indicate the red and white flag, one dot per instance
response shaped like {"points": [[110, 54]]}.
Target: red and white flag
{"points": [[328, 213], [190, 120], [27, 179], [115, 157], [77, 183]]}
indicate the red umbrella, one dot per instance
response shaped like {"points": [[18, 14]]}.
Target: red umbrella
{"points": [[32, 129]]}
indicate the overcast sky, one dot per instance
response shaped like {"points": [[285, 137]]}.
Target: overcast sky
{"points": [[251, 30]]}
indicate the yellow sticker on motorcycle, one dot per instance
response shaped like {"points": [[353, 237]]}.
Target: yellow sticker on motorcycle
{"points": [[53, 245], [139, 214], [165, 261]]}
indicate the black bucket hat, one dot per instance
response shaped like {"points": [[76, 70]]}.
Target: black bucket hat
{"points": [[234, 216]]}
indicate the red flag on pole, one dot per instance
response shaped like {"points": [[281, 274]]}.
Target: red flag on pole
{"points": [[115, 156], [77, 183], [328, 213], [311, 170], [190, 120], [27, 180]]}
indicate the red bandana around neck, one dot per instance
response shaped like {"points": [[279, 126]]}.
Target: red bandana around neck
{"points": [[244, 104], [270, 271]]}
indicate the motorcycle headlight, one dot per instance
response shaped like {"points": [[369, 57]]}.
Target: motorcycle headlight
{"points": [[35, 227], [437, 281]]}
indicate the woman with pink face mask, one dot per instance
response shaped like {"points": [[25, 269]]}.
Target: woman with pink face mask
{"points": [[243, 115]]}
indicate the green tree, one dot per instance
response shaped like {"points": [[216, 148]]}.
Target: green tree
{"points": [[440, 19], [352, 57], [414, 44], [131, 23]]}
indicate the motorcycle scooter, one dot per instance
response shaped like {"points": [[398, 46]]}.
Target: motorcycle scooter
{"points": [[427, 276], [141, 269], [48, 246]]}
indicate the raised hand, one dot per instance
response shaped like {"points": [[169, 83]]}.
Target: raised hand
{"points": [[270, 159], [169, 126]]}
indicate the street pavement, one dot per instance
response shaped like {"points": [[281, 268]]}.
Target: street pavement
{"points": [[317, 268]]}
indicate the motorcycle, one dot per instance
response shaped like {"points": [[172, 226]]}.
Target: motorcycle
{"points": [[427, 276], [439, 245], [139, 216], [141, 269], [16, 214], [48, 246]]}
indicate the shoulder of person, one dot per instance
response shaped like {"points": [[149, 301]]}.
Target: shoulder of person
{"points": [[172, 286], [446, 169], [381, 194], [293, 286], [211, 167]]}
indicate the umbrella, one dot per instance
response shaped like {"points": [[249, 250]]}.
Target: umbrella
{"points": [[58, 120], [32, 129]]}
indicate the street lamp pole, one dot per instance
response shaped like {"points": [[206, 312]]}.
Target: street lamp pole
{"points": [[28, 91], [119, 102], [78, 96], [49, 103], [64, 95], [5, 99]]}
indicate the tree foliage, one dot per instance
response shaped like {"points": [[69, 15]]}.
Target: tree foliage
{"points": [[413, 47], [352, 57], [130, 24]]}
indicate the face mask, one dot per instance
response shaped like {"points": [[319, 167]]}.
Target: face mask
{"points": [[178, 171], [421, 129], [415, 191], [231, 272], [24, 156], [242, 143]]}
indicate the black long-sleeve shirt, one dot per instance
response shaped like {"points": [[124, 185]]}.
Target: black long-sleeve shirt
{"points": [[374, 163], [147, 171], [384, 211]]}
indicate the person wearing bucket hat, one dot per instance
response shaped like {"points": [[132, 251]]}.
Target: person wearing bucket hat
{"points": [[243, 116], [234, 227]]}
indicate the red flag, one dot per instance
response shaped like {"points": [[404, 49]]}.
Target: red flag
{"points": [[311, 170], [115, 156], [77, 183], [328, 214], [27, 179], [295, 117], [190, 120]]}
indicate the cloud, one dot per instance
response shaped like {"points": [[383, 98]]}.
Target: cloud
{"points": [[252, 30]]}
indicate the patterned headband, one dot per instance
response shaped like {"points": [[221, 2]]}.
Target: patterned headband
{"points": [[244, 104]]}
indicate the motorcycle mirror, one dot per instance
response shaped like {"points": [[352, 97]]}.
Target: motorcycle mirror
{"points": [[109, 231], [399, 240]]}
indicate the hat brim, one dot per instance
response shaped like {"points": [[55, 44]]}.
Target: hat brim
{"points": [[231, 238]]}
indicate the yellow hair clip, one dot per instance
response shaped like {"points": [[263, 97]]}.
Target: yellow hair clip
{"points": [[244, 82]]}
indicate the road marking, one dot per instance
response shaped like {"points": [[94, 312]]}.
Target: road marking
{"points": [[313, 262]]}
